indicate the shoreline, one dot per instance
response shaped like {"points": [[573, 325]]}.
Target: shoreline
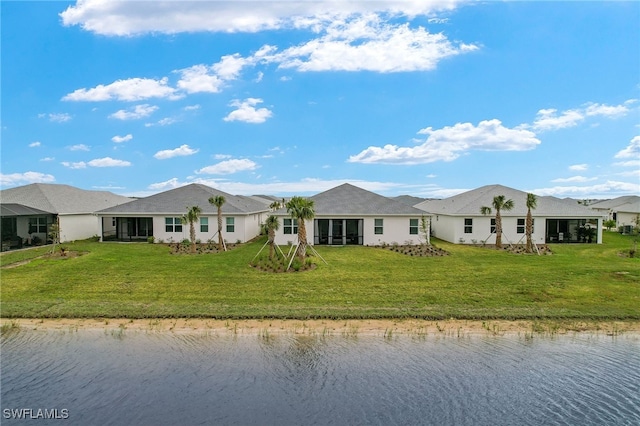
{"points": [[318, 327]]}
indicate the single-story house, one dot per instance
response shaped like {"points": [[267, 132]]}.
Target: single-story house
{"points": [[347, 215], [29, 211], [458, 219], [159, 216], [624, 210]]}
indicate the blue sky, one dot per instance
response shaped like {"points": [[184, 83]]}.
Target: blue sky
{"points": [[293, 98]]}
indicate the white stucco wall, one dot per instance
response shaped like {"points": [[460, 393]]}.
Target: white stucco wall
{"points": [[451, 228], [245, 228], [623, 218], [78, 227], [395, 230]]}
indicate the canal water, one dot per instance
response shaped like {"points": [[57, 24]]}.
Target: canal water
{"points": [[89, 377]]}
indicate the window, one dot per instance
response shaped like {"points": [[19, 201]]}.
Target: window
{"points": [[204, 224], [378, 226], [413, 226], [231, 224], [38, 225], [172, 224], [522, 225], [290, 226], [113, 221], [468, 226], [493, 226]]}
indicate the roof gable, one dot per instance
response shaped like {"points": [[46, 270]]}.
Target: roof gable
{"points": [[177, 201], [469, 204], [61, 199], [347, 199]]}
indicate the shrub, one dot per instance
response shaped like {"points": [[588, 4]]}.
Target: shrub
{"points": [[151, 240]]}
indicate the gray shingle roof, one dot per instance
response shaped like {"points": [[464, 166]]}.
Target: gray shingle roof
{"points": [[627, 204], [14, 210], [176, 201], [60, 199], [469, 204], [349, 200]]}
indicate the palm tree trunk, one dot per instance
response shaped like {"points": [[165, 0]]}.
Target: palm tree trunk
{"points": [[192, 234], [302, 240], [529, 231], [498, 230], [271, 242], [219, 229]]}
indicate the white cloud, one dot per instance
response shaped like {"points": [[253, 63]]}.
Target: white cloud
{"points": [[594, 109], [132, 89], [181, 151], [192, 107], [167, 121], [198, 79], [134, 18], [25, 178], [247, 112], [449, 143], [76, 165], [121, 139], [221, 156], [79, 147], [168, 184], [47, 159], [134, 113], [632, 150], [550, 119], [56, 118], [108, 162], [578, 167], [34, 144], [632, 163], [609, 189], [575, 179], [228, 167], [369, 44]]}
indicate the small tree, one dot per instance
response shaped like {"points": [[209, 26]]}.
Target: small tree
{"points": [[275, 205], [218, 201], [609, 224], [272, 226], [54, 234], [425, 228], [532, 202], [499, 203], [191, 218], [301, 209]]}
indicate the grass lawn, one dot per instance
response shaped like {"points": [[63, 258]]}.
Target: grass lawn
{"points": [[139, 280]]}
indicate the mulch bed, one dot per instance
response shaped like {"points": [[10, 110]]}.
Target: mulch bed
{"points": [[422, 250], [181, 248]]}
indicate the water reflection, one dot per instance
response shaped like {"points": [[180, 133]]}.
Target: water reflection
{"points": [[164, 378]]}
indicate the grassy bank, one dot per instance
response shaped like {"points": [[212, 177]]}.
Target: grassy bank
{"points": [[145, 281]]}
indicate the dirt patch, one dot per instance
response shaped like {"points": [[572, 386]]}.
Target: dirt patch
{"points": [[347, 328], [58, 255]]}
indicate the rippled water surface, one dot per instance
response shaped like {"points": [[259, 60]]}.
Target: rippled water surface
{"points": [[138, 378]]}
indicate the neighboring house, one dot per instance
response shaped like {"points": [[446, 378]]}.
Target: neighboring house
{"points": [[458, 219], [159, 216], [347, 215], [29, 211], [624, 210]]}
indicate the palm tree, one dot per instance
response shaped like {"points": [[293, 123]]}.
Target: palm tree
{"points": [[499, 203], [191, 217], [275, 205], [218, 201], [272, 226], [532, 202], [301, 209]]}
